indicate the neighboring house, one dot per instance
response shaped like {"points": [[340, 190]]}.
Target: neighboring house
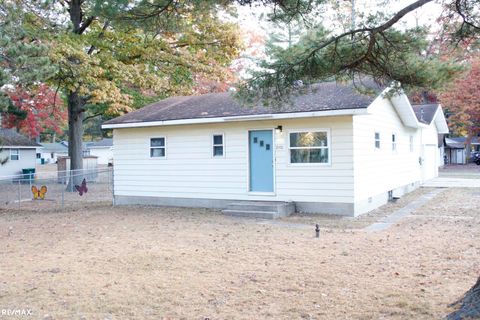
{"points": [[102, 149], [456, 149], [332, 150], [50, 152], [19, 150]]}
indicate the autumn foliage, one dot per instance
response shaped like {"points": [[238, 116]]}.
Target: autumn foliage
{"points": [[462, 102], [43, 108]]}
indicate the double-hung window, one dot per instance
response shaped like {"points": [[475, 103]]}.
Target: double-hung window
{"points": [[394, 142], [377, 140], [14, 154], [310, 147], [158, 147], [218, 145]]}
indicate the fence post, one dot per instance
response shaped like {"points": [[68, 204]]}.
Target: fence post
{"points": [[112, 185], [63, 193], [19, 194], [71, 173]]}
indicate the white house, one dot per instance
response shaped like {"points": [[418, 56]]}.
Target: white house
{"points": [[102, 149], [456, 149], [50, 152], [18, 150], [332, 150]]}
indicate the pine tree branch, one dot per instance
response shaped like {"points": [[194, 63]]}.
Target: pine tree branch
{"points": [[465, 21], [373, 31], [85, 25]]}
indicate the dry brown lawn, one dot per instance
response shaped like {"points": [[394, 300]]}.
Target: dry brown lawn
{"points": [[99, 262]]}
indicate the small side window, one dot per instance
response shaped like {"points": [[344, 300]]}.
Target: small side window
{"points": [[394, 142], [377, 140], [218, 145], [157, 147], [14, 154], [411, 143]]}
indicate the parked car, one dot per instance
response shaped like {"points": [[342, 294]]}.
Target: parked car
{"points": [[476, 157]]}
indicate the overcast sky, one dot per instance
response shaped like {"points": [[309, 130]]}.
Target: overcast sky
{"points": [[424, 16]]}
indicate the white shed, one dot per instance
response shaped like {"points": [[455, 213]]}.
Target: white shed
{"points": [[102, 149], [332, 150]]}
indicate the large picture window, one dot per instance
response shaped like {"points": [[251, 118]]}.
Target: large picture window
{"points": [[157, 147], [309, 147]]}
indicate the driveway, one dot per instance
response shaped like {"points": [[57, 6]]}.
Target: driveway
{"points": [[456, 176]]}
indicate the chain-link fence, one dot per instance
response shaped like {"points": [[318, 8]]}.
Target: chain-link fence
{"points": [[56, 189]]}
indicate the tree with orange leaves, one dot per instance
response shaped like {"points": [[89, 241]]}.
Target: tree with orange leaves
{"points": [[42, 109], [462, 103]]}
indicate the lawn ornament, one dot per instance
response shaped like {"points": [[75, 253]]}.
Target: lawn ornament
{"points": [[39, 194], [82, 188]]}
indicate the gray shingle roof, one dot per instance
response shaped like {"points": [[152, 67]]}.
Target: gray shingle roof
{"points": [[425, 112], [320, 97], [452, 144], [54, 147], [475, 140], [107, 142], [11, 138]]}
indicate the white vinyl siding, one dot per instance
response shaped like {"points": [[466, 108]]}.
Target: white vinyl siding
{"points": [[380, 170], [26, 159], [190, 171]]}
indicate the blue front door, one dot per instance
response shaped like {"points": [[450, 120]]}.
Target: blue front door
{"points": [[261, 160]]}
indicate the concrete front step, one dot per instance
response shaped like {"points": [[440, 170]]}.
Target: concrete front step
{"points": [[251, 214], [260, 209]]}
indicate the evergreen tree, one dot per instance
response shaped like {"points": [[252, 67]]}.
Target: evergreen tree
{"points": [[372, 47], [23, 58], [101, 51]]}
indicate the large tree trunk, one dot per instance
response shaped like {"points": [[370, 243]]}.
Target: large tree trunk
{"points": [[468, 145], [75, 133], [468, 307]]}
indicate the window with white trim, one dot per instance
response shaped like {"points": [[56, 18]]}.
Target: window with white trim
{"points": [[14, 154], [218, 149], [394, 142], [377, 140], [411, 143], [309, 147], [158, 147]]}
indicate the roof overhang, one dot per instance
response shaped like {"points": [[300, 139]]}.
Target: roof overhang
{"points": [[440, 121], [405, 111], [272, 116], [21, 147]]}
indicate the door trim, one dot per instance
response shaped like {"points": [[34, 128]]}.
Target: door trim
{"points": [[274, 159]]}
